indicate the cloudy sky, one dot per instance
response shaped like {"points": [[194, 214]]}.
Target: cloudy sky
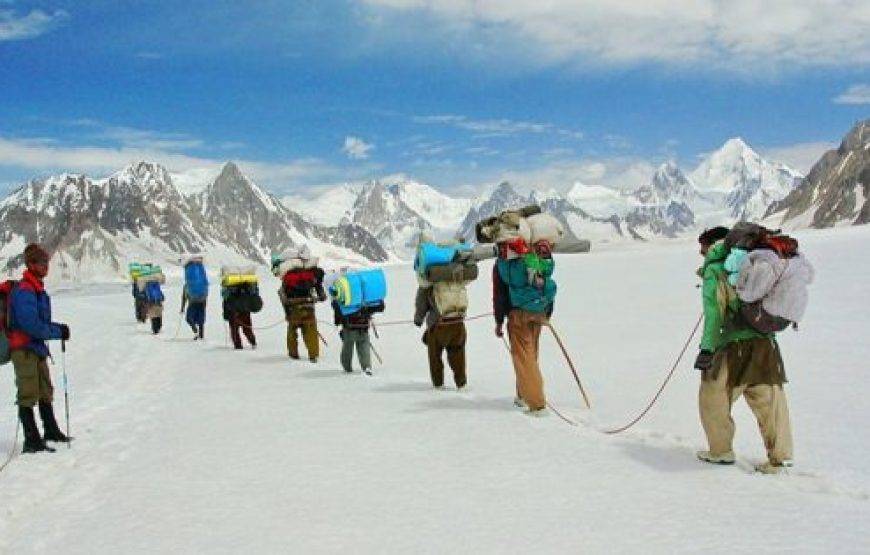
{"points": [[308, 93]]}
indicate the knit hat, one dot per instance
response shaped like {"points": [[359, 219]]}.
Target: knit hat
{"points": [[710, 236], [34, 253]]}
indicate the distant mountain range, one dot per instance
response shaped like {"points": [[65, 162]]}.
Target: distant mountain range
{"points": [[145, 212]]}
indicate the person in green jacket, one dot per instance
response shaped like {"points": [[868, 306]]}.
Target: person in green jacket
{"points": [[736, 360]]}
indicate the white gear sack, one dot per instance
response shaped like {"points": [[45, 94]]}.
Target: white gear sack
{"points": [[545, 227]]}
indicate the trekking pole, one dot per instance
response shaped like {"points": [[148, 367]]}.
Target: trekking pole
{"points": [[65, 391], [323, 339], [12, 449], [570, 364]]}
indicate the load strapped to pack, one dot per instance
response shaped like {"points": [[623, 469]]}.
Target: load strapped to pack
{"points": [[195, 279], [769, 275], [357, 289], [447, 269], [301, 276], [240, 290], [149, 281]]}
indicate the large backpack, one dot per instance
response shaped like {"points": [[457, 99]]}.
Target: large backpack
{"points": [[298, 284], [450, 298], [6, 290], [196, 282], [153, 293]]}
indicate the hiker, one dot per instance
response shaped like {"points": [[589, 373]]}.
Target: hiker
{"points": [[241, 294], [149, 283], [736, 359], [195, 296], [355, 333], [29, 326], [524, 293], [301, 288], [442, 302], [138, 304]]}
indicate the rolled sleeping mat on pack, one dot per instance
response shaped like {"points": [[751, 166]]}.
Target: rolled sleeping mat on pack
{"points": [[355, 290], [545, 227], [478, 253], [452, 272], [150, 270], [432, 254], [238, 275], [575, 246]]}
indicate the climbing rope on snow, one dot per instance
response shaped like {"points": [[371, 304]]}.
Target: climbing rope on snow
{"points": [[13, 451], [570, 363], [667, 380]]}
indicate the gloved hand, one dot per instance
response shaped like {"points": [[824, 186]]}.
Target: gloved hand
{"points": [[64, 332], [499, 330], [704, 360]]}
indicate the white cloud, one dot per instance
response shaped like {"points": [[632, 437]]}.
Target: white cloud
{"points": [[800, 156], [34, 24], [501, 127], [856, 94], [737, 34], [43, 156], [356, 148]]}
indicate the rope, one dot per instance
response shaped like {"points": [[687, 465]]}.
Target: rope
{"points": [[12, 451], [549, 405], [570, 363], [447, 323], [658, 394]]}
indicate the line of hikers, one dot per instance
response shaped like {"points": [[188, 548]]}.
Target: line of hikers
{"points": [[754, 285]]}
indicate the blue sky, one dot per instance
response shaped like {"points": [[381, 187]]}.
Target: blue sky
{"points": [[458, 93]]}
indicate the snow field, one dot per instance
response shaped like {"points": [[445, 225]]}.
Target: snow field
{"points": [[192, 447]]}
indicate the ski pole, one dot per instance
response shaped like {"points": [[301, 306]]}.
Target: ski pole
{"points": [[375, 352], [65, 391]]}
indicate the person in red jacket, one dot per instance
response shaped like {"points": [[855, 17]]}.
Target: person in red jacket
{"points": [[29, 326]]}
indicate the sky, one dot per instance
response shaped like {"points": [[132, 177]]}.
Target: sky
{"points": [[304, 95]]}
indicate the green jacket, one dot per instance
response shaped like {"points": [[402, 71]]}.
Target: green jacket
{"points": [[721, 304]]}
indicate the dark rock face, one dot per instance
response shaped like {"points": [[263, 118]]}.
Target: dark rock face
{"points": [[836, 190], [93, 224]]}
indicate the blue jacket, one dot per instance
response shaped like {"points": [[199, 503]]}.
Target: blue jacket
{"points": [[30, 324]]}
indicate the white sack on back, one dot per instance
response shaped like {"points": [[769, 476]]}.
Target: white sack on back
{"points": [[545, 227], [781, 282]]}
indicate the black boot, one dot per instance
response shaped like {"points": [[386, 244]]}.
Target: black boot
{"points": [[51, 431], [156, 324], [202, 331], [32, 441]]}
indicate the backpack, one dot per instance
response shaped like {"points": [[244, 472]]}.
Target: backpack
{"points": [[509, 225], [450, 298], [6, 290], [772, 286], [153, 293], [298, 284], [196, 282]]}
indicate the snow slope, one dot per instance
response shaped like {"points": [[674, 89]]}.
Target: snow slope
{"points": [[191, 447]]}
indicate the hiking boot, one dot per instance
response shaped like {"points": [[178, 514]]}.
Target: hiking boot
{"points": [[537, 412], [294, 357], [33, 442], [774, 468], [708, 457], [519, 403], [202, 331], [313, 360], [49, 424]]}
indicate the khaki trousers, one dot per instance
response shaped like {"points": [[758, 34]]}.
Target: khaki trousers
{"points": [[32, 378], [524, 331], [767, 402], [450, 338], [310, 336]]}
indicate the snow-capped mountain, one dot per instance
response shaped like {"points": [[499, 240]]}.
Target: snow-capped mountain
{"points": [[395, 210], [95, 226], [837, 189], [748, 182]]}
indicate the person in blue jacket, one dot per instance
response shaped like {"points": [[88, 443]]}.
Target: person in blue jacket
{"points": [[29, 326]]}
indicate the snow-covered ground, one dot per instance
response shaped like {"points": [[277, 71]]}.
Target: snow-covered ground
{"points": [[192, 447]]}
